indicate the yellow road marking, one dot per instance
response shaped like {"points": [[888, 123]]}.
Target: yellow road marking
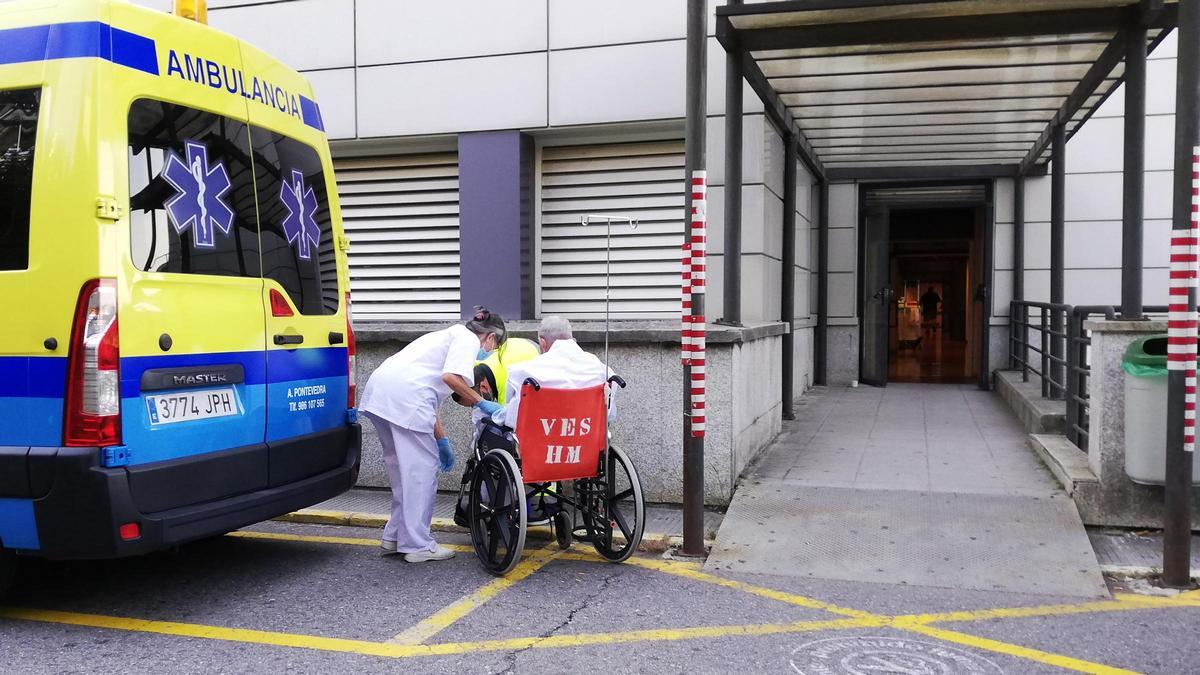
{"points": [[915, 623], [394, 650], [1027, 653], [689, 571], [348, 541], [1121, 603], [445, 618]]}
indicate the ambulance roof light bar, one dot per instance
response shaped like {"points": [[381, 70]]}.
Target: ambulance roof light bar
{"points": [[195, 10]]}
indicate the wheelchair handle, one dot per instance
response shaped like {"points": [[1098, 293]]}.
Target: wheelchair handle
{"points": [[533, 383], [616, 379]]}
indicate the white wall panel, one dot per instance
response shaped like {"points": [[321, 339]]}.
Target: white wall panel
{"points": [[504, 92], [397, 32], [606, 84], [843, 249], [306, 34], [334, 90], [843, 294], [1093, 245], [588, 24]]}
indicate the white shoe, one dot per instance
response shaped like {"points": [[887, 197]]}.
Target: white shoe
{"points": [[388, 547], [438, 553]]}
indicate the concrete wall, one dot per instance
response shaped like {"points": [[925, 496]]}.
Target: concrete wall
{"points": [[843, 283]]}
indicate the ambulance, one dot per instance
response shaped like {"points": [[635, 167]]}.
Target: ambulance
{"points": [[176, 353]]}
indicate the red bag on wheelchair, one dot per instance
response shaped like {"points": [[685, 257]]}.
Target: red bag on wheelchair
{"points": [[561, 432]]}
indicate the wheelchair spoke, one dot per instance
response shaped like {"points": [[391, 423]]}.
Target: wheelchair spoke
{"points": [[493, 540], [619, 517], [623, 495]]}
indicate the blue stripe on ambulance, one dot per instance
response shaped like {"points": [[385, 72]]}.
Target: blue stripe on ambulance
{"points": [[80, 39], [18, 528], [315, 377], [93, 39], [31, 399], [307, 391]]}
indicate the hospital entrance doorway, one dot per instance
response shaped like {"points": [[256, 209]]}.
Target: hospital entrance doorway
{"points": [[925, 278], [931, 268]]}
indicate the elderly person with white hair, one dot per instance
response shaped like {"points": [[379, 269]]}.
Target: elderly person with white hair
{"points": [[563, 364]]}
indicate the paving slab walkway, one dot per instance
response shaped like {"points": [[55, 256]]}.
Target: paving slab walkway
{"points": [[929, 485]]}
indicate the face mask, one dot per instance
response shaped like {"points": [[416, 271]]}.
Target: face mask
{"points": [[483, 354]]}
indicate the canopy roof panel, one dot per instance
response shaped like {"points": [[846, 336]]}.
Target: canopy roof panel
{"points": [[920, 84]]}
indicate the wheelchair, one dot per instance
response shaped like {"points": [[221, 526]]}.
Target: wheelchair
{"points": [[557, 467]]}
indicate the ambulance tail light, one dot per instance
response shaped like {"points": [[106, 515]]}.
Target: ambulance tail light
{"points": [[93, 401], [351, 358]]}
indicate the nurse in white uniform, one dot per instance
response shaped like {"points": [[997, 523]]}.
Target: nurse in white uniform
{"points": [[402, 399]]}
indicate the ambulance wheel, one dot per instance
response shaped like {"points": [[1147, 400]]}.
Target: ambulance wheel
{"points": [[8, 571], [562, 529], [497, 512], [615, 513]]}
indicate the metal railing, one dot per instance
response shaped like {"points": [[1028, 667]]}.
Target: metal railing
{"points": [[1048, 320], [1071, 382]]}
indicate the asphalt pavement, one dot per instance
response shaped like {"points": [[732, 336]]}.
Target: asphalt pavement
{"points": [[320, 598]]}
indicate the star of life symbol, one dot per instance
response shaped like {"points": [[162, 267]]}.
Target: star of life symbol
{"points": [[300, 225], [199, 202]]}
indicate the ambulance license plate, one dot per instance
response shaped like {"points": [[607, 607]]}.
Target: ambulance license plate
{"points": [[192, 405]]}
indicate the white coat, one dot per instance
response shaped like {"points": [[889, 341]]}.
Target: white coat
{"points": [[401, 399], [564, 366]]}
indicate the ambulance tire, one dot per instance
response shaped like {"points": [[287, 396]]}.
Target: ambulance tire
{"points": [[617, 505], [8, 570], [497, 513]]}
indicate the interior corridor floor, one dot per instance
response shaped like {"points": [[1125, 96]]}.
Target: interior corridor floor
{"points": [[914, 483]]}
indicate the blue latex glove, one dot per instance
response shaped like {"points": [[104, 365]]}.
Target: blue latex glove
{"points": [[445, 454], [489, 408]]}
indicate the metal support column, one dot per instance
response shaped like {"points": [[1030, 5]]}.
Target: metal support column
{"points": [[1134, 176], [787, 309], [1058, 206], [1018, 287], [694, 130], [732, 255], [1181, 353], [820, 337]]}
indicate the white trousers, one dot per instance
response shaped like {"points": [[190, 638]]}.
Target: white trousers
{"points": [[411, 458]]}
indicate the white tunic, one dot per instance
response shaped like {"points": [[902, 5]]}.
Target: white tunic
{"points": [[407, 389], [564, 366]]}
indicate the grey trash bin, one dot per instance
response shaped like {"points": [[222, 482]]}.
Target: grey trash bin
{"points": [[1145, 366]]}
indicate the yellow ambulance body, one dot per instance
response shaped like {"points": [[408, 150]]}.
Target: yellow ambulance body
{"points": [[176, 357]]}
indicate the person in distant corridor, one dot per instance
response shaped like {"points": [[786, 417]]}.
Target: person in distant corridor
{"points": [[929, 301], [402, 399]]}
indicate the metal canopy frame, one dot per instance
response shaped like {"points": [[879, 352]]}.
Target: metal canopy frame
{"points": [[977, 95]]}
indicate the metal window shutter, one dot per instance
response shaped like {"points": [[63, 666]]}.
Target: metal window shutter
{"points": [[641, 180], [401, 214]]}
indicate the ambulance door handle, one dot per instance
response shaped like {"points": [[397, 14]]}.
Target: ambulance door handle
{"points": [[289, 339]]}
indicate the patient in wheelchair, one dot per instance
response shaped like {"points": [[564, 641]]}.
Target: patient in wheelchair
{"points": [[556, 362]]}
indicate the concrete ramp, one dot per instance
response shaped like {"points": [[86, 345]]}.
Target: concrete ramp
{"points": [[928, 485], [949, 540]]}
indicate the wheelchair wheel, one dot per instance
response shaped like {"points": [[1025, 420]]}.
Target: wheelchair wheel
{"points": [[614, 511], [562, 529], [497, 513]]}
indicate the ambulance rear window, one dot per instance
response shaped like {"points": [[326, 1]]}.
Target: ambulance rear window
{"points": [[18, 133], [295, 223], [191, 192]]}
